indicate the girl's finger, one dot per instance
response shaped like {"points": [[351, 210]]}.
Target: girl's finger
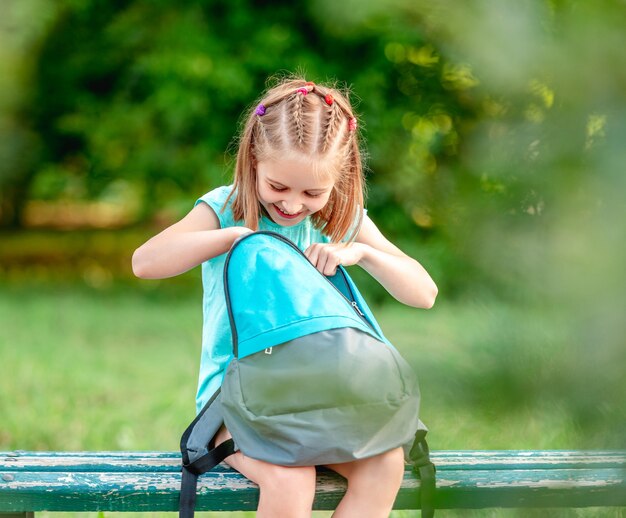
{"points": [[330, 268], [322, 259], [334, 260], [312, 254]]}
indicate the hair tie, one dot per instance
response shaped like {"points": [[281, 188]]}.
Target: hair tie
{"points": [[329, 99], [310, 83], [260, 110], [352, 124], [302, 91]]}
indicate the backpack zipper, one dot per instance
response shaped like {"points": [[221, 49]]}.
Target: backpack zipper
{"points": [[352, 299], [353, 303], [356, 306]]}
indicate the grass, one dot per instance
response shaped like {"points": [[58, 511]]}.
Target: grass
{"points": [[116, 368], [82, 370]]}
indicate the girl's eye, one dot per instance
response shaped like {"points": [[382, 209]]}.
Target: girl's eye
{"points": [[313, 195], [277, 189]]}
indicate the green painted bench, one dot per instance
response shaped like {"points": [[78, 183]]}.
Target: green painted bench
{"points": [[149, 481]]}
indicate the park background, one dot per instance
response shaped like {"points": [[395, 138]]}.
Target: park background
{"points": [[495, 143]]}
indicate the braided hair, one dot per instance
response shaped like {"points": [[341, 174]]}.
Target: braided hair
{"points": [[300, 119]]}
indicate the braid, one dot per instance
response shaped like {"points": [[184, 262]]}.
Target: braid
{"points": [[298, 119], [305, 121], [333, 125], [260, 132]]}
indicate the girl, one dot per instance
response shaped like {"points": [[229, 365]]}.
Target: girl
{"points": [[299, 173]]}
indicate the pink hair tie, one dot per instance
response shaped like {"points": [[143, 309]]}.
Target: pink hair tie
{"points": [[352, 124], [329, 99], [260, 110], [302, 91]]}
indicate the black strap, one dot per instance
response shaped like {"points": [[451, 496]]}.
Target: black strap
{"points": [[191, 471], [425, 470], [188, 486], [427, 489], [212, 458]]}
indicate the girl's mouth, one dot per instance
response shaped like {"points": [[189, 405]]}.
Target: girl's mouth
{"points": [[284, 214]]}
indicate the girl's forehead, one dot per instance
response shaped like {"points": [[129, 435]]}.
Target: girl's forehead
{"points": [[296, 173]]}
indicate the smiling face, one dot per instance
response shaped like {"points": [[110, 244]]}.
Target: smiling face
{"points": [[292, 189], [299, 156]]}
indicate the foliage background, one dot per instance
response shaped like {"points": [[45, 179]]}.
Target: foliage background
{"points": [[495, 140]]}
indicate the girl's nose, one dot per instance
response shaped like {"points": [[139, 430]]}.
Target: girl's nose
{"points": [[292, 206]]}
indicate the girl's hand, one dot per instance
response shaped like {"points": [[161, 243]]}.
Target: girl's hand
{"points": [[238, 232], [327, 256]]}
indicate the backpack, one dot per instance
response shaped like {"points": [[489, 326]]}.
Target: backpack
{"points": [[312, 379]]}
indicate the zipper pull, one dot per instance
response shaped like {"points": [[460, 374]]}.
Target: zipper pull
{"points": [[356, 307], [268, 350]]}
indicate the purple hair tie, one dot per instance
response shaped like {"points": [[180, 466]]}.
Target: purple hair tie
{"points": [[260, 110]]}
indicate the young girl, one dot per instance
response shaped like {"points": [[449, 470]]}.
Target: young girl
{"points": [[299, 173]]}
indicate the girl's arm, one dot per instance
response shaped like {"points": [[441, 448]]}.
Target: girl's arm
{"points": [[402, 276], [187, 243]]}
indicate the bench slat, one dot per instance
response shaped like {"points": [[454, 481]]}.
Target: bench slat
{"points": [[150, 481], [58, 491], [170, 461], [519, 459]]}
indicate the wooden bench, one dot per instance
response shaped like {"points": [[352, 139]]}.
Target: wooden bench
{"points": [[149, 481]]}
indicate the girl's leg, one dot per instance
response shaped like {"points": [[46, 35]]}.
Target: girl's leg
{"points": [[373, 485], [285, 492]]}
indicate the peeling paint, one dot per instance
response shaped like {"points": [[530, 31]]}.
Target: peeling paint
{"points": [[150, 481]]}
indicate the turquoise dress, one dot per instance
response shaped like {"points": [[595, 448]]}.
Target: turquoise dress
{"points": [[216, 336]]}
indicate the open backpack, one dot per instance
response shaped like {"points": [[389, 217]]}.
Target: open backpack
{"points": [[312, 380]]}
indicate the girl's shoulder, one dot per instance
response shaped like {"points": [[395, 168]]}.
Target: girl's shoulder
{"points": [[216, 199], [217, 195]]}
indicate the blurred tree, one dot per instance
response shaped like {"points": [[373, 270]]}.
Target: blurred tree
{"points": [[146, 96], [480, 127], [22, 24], [138, 101]]}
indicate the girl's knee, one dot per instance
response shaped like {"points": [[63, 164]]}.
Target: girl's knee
{"points": [[286, 492], [388, 466], [296, 480]]}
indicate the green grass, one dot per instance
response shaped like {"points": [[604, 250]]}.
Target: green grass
{"points": [[86, 369]]}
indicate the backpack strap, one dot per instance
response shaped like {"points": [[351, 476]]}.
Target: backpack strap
{"points": [[198, 454], [425, 470], [191, 471], [188, 487]]}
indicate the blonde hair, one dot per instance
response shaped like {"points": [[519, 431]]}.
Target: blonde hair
{"points": [[297, 118]]}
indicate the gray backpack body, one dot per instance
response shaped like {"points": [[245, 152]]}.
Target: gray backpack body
{"points": [[312, 379]]}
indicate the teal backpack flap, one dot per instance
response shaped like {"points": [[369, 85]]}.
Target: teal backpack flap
{"points": [[313, 380], [274, 294]]}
